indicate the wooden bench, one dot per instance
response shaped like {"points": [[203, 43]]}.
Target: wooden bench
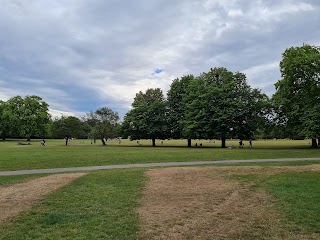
{"points": [[23, 143]]}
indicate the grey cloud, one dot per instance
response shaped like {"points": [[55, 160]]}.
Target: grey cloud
{"points": [[89, 52]]}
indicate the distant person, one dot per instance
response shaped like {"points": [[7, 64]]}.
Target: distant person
{"points": [[240, 144], [250, 143], [43, 143], [67, 139]]}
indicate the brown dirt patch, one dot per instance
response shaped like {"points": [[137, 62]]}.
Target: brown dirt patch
{"points": [[204, 203], [19, 197]]}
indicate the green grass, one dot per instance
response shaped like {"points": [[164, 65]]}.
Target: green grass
{"points": [[83, 153], [296, 195], [8, 180], [99, 205]]}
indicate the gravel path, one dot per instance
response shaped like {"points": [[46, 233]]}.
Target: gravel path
{"points": [[148, 165]]}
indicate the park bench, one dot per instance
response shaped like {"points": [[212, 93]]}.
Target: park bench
{"points": [[23, 143]]}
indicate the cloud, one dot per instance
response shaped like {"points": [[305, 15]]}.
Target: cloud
{"points": [[79, 55], [263, 76], [58, 113]]}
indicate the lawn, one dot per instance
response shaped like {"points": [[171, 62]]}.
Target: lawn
{"points": [[295, 194], [7, 180], [82, 153], [100, 205], [103, 204]]}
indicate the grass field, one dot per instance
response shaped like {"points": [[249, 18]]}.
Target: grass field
{"points": [[82, 153], [99, 205], [295, 194], [102, 204]]}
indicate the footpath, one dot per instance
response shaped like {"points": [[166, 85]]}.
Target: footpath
{"points": [[150, 165]]}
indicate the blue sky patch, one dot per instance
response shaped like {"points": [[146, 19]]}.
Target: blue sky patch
{"points": [[157, 71]]}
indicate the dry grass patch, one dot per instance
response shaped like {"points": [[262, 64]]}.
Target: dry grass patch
{"points": [[204, 203], [19, 197]]}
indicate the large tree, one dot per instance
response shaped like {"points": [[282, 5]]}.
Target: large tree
{"points": [[25, 117], [176, 107], [221, 104], [67, 127], [297, 96], [147, 118], [104, 123]]}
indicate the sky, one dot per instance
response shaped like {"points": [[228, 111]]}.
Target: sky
{"points": [[80, 55]]}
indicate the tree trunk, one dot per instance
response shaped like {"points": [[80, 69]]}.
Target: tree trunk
{"points": [[103, 142], [153, 142], [314, 143], [223, 142], [189, 142]]}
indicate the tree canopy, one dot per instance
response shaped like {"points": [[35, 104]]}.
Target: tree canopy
{"points": [[176, 107], [221, 104], [24, 117], [298, 92], [104, 123], [147, 118], [67, 127]]}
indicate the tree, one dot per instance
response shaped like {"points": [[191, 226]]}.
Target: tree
{"points": [[147, 118], [103, 122], [221, 104], [298, 92], [176, 109], [3, 121], [67, 126], [26, 117]]}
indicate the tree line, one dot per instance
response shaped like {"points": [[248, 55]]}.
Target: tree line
{"points": [[29, 118], [218, 104]]}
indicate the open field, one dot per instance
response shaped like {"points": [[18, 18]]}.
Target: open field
{"points": [[248, 202], [227, 203], [261, 143], [244, 202], [100, 205], [19, 197], [82, 153]]}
